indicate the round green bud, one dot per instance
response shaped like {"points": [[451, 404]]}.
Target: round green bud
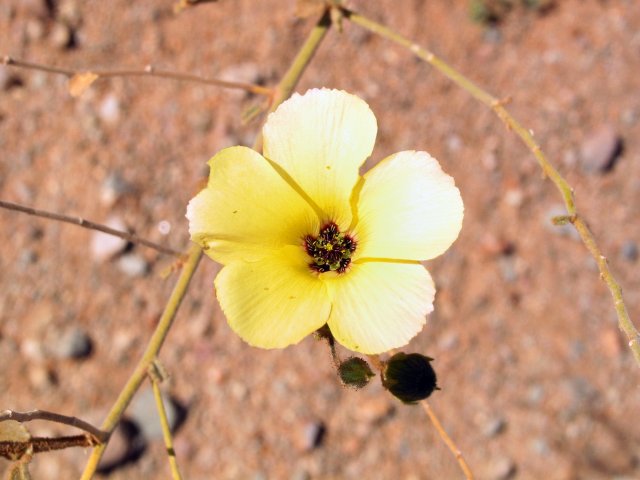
{"points": [[409, 377], [355, 372]]}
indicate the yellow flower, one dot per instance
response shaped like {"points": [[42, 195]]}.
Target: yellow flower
{"points": [[305, 240]]}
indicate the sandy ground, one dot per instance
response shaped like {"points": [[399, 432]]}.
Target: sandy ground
{"points": [[536, 379]]}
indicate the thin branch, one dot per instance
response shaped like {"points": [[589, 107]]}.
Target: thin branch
{"points": [[565, 189], [75, 422], [447, 440], [130, 237], [149, 71], [164, 422]]}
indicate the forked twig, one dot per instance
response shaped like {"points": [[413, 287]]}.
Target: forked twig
{"points": [[130, 237], [156, 377]]}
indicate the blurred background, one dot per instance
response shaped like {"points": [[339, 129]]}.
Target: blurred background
{"points": [[536, 379]]}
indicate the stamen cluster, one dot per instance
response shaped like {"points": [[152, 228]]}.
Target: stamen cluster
{"points": [[331, 250]]}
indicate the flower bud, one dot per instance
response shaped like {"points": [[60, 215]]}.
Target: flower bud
{"points": [[355, 372], [409, 377]]}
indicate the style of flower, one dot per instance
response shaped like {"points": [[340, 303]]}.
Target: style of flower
{"points": [[305, 240]]}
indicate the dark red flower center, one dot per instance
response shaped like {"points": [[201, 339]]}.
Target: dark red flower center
{"points": [[331, 250]]}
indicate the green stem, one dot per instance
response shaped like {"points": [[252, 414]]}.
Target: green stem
{"points": [[140, 372], [303, 58], [166, 430], [565, 189]]}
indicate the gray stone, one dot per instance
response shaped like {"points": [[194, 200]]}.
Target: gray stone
{"points": [[494, 426], [133, 265], [61, 36], [600, 149], [144, 413], [502, 468], [73, 343], [125, 445], [109, 110], [629, 251], [113, 188], [105, 246], [312, 435]]}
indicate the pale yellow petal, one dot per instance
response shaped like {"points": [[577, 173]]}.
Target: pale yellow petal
{"points": [[408, 209], [320, 139], [378, 306], [247, 209], [274, 302]]}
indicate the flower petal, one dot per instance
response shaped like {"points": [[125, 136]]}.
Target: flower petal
{"points": [[320, 139], [408, 209], [274, 302], [247, 209], [378, 306]]}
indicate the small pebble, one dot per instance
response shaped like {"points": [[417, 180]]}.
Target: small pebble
{"points": [[109, 109], [9, 79], [133, 265], [600, 149], [313, 434], [144, 413], [27, 258], [494, 426], [69, 12], [113, 188], [629, 251], [454, 143], [449, 340], [535, 394], [34, 30], [61, 36], [32, 349], [74, 343], [507, 264], [502, 468], [105, 246], [540, 446], [125, 445], [41, 378]]}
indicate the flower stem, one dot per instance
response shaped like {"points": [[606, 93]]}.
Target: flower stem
{"points": [[155, 343], [290, 79], [164, 423], [565, 189]]}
